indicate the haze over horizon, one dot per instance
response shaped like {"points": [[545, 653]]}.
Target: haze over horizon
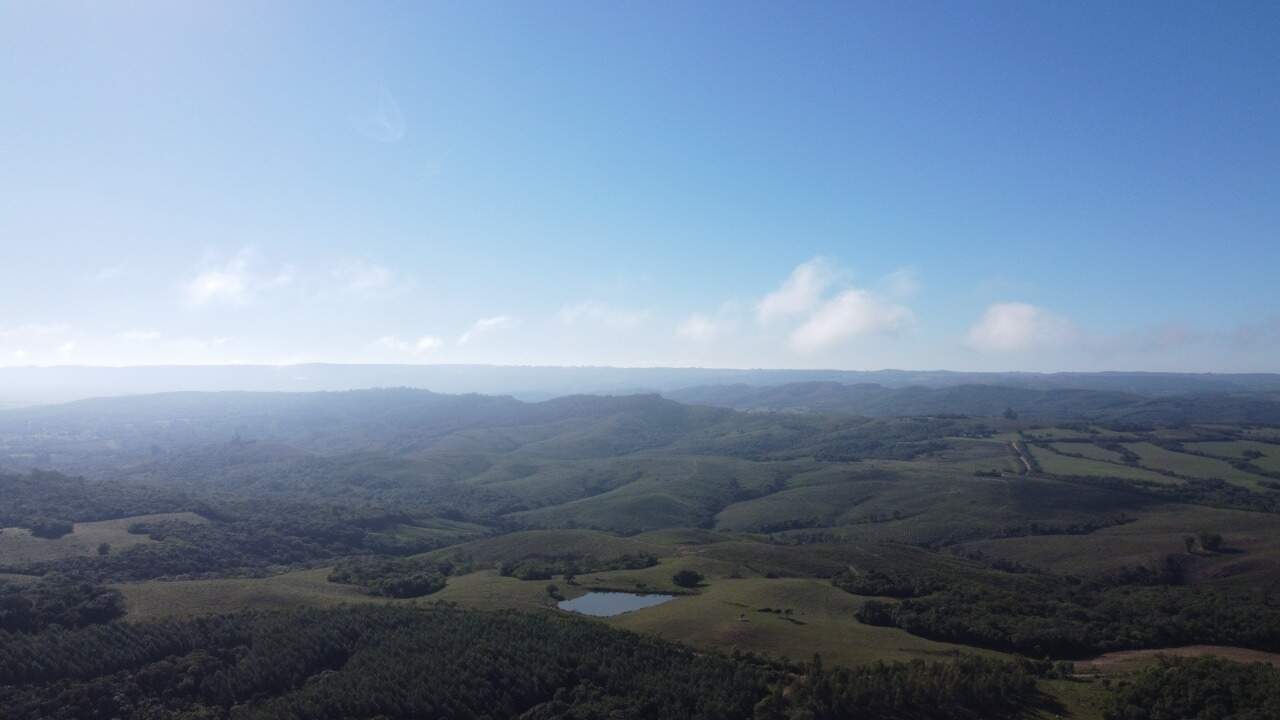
{"points": [[1008, 187]]}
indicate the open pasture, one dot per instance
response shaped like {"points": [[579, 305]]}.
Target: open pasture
{"points": [[1251, 555], [1244, 450], [1056, 464], [19, 547], [1188, 465]]}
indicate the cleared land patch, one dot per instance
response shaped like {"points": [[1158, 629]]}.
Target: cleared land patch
{"points": [[1089, 450], [1187, 465], [185, 598], [1252, 538], [726, 616], [1130, 660], [19, 547], [1242, 450], [1055, 464]]}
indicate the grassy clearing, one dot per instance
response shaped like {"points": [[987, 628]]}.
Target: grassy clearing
{"points": [[812, 506], [1158, 531], [1270, 459], [1078, 699], [1055, 464], [969, 455], [185, 598], [1132, 660], [532, 543], [439, 530], [1156, 457], [725, 616], [18, 546], [1089, 450]]}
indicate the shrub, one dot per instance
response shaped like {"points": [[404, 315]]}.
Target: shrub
{"points": [[687, 578]]}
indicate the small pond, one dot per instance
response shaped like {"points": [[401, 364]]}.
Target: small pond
{"points": [[606, 604]]}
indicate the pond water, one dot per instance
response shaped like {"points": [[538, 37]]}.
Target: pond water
{"points": [[607, 604]]}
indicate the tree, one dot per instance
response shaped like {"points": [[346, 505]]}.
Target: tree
{"points": [[104, 549], [1190, 542], [687, 578], [1010, 414], [1210, 541]]}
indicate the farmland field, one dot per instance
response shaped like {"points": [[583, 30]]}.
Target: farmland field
{"points": [[1056, 464], [1270, 453], [1188, 465]]}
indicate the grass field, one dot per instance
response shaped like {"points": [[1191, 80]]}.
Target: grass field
{"points": [[1253, 540], [722, 615], [1131, 660], [1055, 464], [1270, 459], [185, 598], [532, 543], [18, 546], [1089, 450], [1156, 457], [725, 616], [1079, 698]]}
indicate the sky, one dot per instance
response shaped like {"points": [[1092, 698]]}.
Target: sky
{"points": [[1036, 186]]}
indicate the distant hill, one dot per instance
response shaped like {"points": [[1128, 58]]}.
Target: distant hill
{"points": [[36, 385], [873, 400]]}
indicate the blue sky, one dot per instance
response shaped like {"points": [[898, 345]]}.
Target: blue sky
{"points": [[1026, 186]]}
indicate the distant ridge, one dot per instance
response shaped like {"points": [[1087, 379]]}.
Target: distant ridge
{"points": [[38, 385], [990, 400]]}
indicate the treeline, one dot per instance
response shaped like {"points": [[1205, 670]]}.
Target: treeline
{"points": [[1194, 491], [56, 601], [543, 567], [48, 502], [1198, 689], [965, 688], [392, 577], [1055, 618], [889, 583], [193, 550], [242, 537], [388, 662]]}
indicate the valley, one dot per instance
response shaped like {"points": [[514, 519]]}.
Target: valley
{"points": [[858, 540]]}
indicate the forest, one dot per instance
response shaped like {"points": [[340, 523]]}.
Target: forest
{"points": [[441, 662], [314, 556]]}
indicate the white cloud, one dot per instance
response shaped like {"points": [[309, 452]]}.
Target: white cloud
{"points": [[799, 293], [359, 276], [852, 313], [427, 343], [1017, 327], [902, 283], [235, 282], [139, 335], [229, 283], [484, 326], [598, 313], [421, 346], [698, 327]]}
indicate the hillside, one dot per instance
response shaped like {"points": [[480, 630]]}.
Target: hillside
{"points": [[1057, 404]]}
